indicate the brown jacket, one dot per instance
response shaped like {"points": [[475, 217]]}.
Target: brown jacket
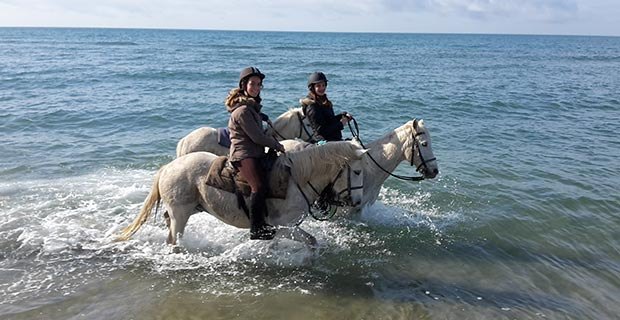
{"points": [[247, 137]]}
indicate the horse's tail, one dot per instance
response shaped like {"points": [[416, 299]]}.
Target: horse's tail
{"points": [[151, 201]]}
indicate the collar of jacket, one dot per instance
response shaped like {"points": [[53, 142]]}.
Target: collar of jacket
{"points": [[308, 101], [237, 99]]}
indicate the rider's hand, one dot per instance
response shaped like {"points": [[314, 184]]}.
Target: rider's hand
{"points": [[345, 117], [264, 117], [280, 148]]}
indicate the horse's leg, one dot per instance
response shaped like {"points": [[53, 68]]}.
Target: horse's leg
{"points": [[178, 220], [167, 219], [298, 234]]}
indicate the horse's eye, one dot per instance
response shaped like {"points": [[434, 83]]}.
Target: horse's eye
{"points": [[357, 172], [425, 144]]}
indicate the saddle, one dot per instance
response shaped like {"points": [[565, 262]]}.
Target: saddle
{"points": [[223, 175]]}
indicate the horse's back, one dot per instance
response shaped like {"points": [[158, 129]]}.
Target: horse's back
{"points": [[294, 145], [201, 139], [193, 164]]}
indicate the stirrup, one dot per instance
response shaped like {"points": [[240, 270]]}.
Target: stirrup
{"points": [[268, 227]]}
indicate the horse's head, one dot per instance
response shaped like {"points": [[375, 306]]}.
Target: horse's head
{"points": [[348, 186], [292, 124], [333, 170], [421, 152]]}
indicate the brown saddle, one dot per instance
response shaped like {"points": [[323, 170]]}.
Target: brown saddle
{"points": [[224, 176]]}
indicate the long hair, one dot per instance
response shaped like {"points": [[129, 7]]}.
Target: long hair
{"points": [[321, 100], [238, 96]]}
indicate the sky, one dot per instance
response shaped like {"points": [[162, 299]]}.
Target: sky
{"points": [[561, 17]]}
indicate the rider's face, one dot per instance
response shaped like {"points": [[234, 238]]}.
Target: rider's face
{"points": [[319, 88], [253, 86]]}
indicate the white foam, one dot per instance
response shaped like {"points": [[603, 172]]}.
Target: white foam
{"points": [[88, 211], [398, 208]]}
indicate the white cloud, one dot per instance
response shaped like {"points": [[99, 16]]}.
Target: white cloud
{"points": [[483, 16], [542, 10]]}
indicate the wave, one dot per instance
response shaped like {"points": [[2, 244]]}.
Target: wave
{"points": [[164, 74], [290, 48], [115, 43], [595, 58]]}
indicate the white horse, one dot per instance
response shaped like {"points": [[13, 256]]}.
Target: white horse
{"points": [[182, 188], [411, 142], [290, 125]]}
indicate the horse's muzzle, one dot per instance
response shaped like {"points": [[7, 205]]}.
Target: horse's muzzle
{"points": [[430, 174]]}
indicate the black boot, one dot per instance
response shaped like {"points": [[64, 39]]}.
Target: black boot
{"points": [[259, 230]]}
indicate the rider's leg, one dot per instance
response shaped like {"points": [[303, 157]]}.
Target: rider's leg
{"points": [[251, 172]]}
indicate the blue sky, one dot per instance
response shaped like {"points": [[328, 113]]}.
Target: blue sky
{"points": [[580, 17]]}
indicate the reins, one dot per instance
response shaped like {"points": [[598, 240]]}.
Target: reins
{"points": [[356, 135], [276, 131]]}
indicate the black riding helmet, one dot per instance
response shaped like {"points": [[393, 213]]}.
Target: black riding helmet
{"points": [[248, 72], [315, 78]]}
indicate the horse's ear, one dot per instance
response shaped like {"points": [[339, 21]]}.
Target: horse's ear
{"points": [[360, 152], [415, 124]]}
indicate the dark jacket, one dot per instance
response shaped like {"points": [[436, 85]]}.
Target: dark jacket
{"points": [[247, 138], [325, 124]]}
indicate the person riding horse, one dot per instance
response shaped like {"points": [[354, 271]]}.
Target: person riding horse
{"points": [[326, 125], [248, 142]]}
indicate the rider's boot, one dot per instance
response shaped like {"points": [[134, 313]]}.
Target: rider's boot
{"points": [[259, 229]]}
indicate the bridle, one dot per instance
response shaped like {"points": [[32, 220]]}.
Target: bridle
{"points": [[329, 198], [423, 162], [303, 127], [414, 145]]}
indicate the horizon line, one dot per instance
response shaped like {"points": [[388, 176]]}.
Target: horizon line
{"points": [[306, 31]]}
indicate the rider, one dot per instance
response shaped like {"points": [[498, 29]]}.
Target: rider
{"points": [[248, 142], [320, 112]]}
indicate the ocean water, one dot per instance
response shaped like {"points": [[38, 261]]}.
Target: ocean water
{"points": [[521, 223]]}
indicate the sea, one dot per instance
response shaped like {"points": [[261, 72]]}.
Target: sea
{"points": [[522, 221]]}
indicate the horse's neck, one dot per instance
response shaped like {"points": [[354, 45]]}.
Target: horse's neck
{"points": [[388, 151], [288, 125], [320, 165], [313, 187]]}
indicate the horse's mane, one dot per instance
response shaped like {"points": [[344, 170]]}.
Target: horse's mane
{"points": [[402, 133], [319, 160], [287, 114]]}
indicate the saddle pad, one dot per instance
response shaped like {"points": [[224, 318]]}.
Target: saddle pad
{"points": [[224, 177], [223, 137], [221, 176]]}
